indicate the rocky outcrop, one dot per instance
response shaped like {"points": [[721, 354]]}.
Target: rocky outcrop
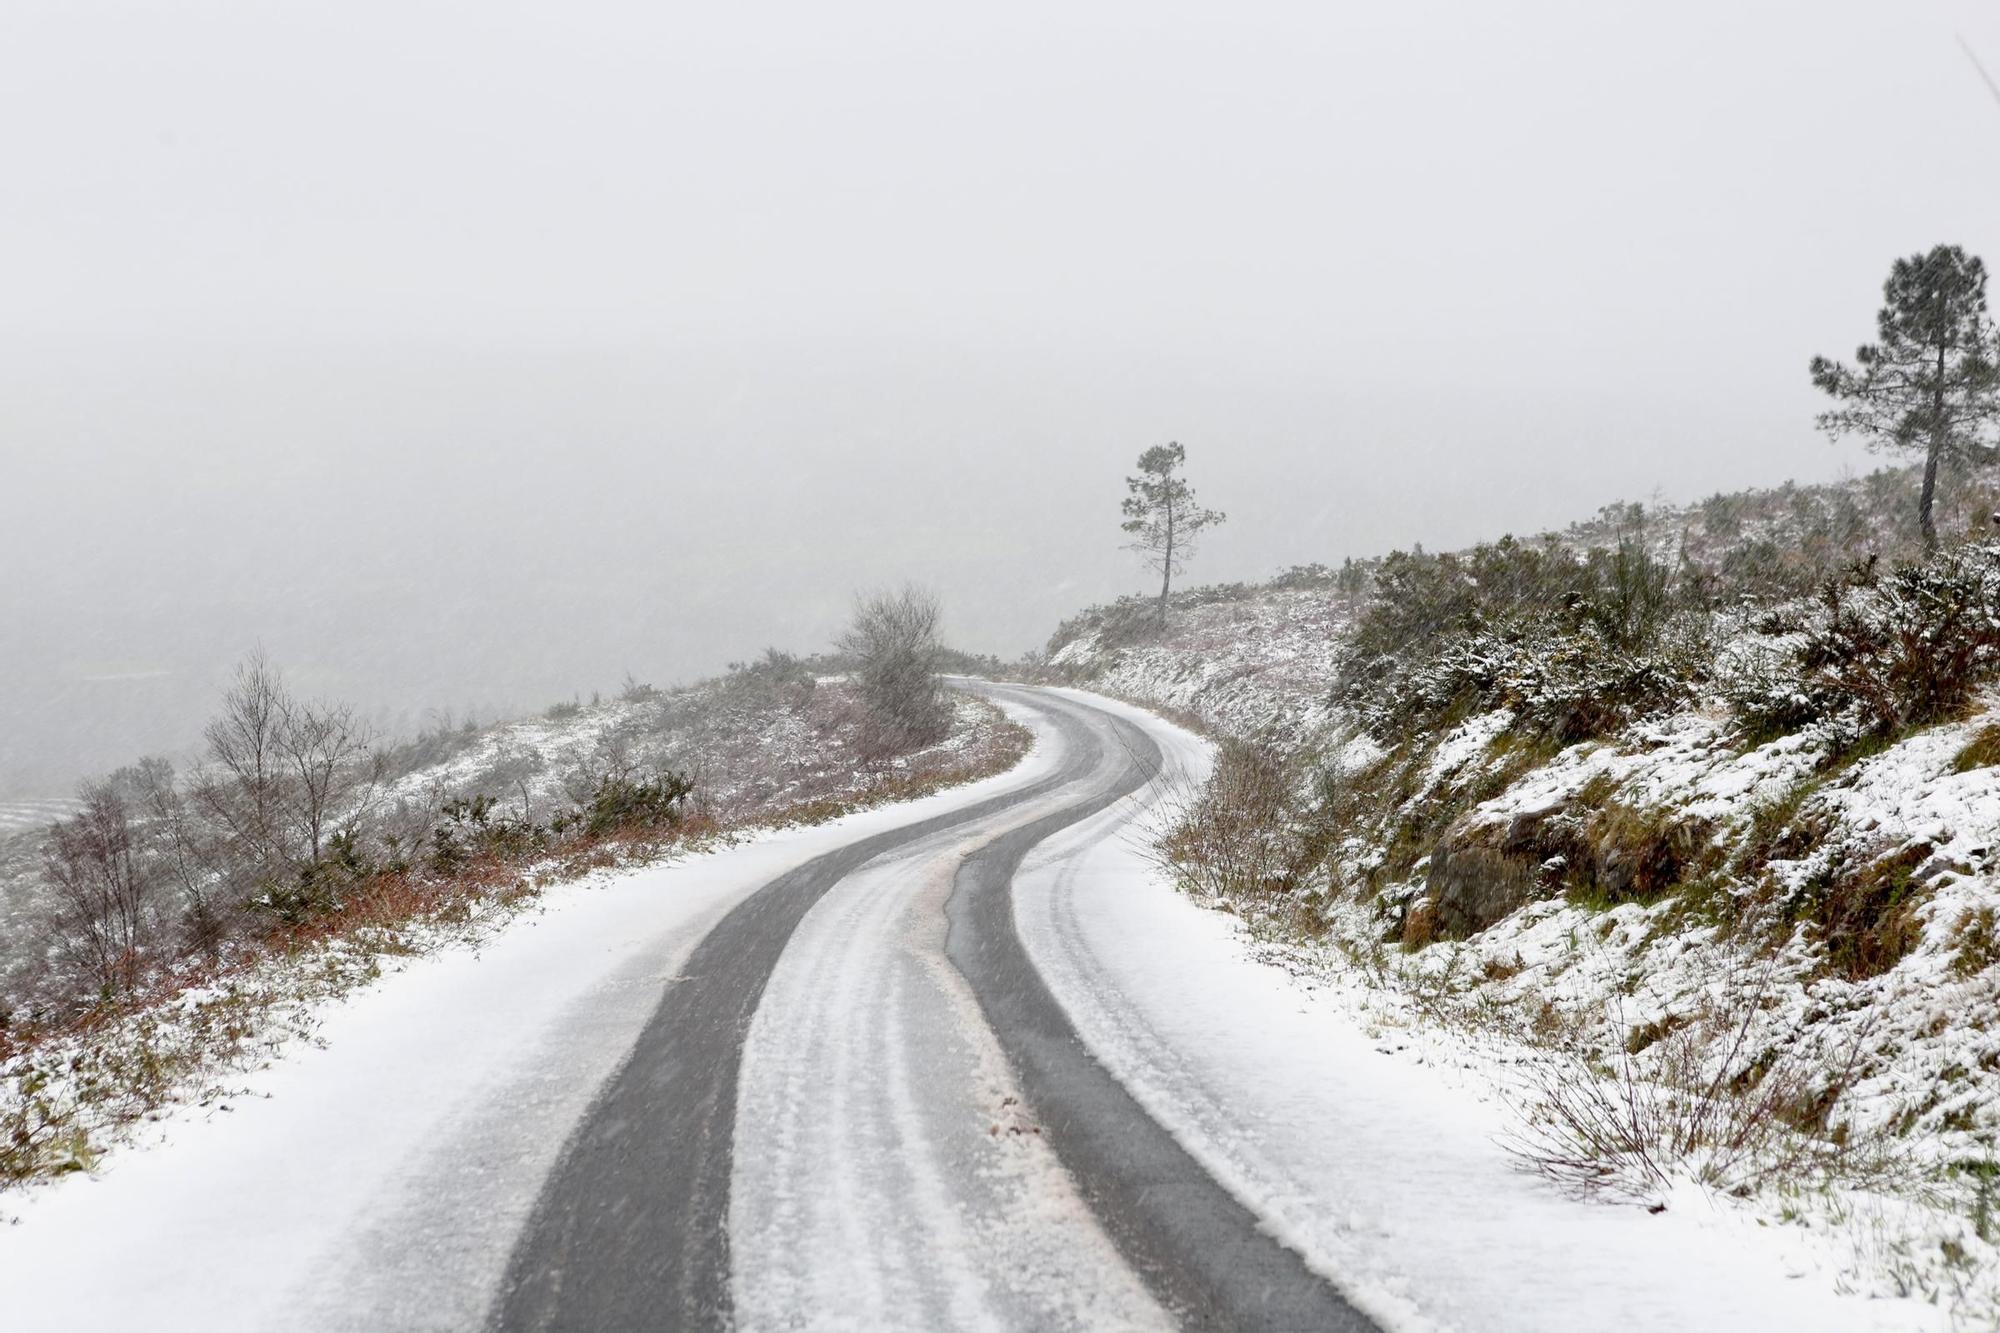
{"points": [[1485, 869], [1482, 872]]}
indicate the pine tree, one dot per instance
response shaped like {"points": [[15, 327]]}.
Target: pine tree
{"points": [[1161, 513], [1932, 382]]}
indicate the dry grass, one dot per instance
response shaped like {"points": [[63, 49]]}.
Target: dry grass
{"points": [[1233, 838], [1707, 1098]]}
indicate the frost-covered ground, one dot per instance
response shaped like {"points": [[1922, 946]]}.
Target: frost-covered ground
{"points": [[377, 1177], [755, 744], [752, 743], [1251, 664], [1895, 1027]]}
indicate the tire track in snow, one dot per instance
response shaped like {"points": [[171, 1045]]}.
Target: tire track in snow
{"points": [[885, 1178], [1203, 1253], [631, 1231]]}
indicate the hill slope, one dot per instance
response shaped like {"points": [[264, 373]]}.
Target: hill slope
{"points": [[1693, 813]]}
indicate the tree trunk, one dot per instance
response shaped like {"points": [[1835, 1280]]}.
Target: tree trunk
{"points": [[1925, 520], [1167, 567]]}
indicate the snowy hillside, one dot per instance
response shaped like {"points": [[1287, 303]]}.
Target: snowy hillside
{"points": [[1734, 902]]}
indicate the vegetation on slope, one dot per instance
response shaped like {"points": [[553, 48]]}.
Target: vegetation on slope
{"points": [[1697, 804]]}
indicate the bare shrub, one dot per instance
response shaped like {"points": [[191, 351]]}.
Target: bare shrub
{"points": [[1234, 837], [1705, 1098], [285, 773], [893, 640], [246, 794], [188, 852], [104, 890], [329, 769]]}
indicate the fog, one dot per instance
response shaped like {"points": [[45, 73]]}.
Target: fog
{"points": [[474, 355]]}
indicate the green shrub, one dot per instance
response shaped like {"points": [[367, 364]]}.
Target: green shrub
{"points": [[319, 887], [1577, 645], [468, 828], [623, 804]]}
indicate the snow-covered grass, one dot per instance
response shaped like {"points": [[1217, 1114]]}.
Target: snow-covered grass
{"points": [[19, 816], [1257, 664]]}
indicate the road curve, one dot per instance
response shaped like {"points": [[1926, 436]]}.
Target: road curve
{"points": [[1203, 1254], [859, 1106], [919, 1083]]}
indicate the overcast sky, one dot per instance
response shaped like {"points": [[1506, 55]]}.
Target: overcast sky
{"points": [[477, 353]]}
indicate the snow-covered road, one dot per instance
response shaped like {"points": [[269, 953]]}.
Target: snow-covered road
{"points": [[872, 1076]]}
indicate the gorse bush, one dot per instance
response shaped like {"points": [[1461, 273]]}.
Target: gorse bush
{"points": [[1577, 645], [1875, 655], [321, 886], [622, 803], [778, 678], [473, 828]]}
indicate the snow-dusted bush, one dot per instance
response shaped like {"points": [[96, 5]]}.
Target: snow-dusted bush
{"points": [[1877, 654], [893, 640], [1710, 1098], [624, 801], [777, 679], [1575, 645]]}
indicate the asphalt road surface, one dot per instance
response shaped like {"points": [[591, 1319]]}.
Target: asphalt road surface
{"points": [[859, 1106]]}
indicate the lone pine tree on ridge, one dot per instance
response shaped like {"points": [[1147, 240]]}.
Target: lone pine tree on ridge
{"points": [[1162, 515]]}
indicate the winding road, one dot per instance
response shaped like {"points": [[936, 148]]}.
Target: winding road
{"points": [[861, 1106], [959, 1064]]}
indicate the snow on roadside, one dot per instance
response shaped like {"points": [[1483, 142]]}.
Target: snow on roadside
{"points": [[1254, 665], [378, 1178], [1370, 1137]]}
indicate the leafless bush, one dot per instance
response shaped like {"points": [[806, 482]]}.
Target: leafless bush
{"points": [[330, 771], [1704, 1099], [188, 850], [157, 865], [1235, 836], [285, 771], [104, 890], [246, 793], [893, 640]]}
